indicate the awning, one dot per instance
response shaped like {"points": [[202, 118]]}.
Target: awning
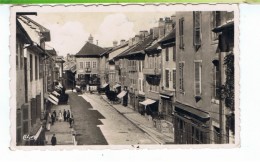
{"points": [[52, 101], [117, 85], [226, 26], [54, 98], [147, 102], [104, 85], [192, 110], [38, 133], [121, 94], [163, 96], [58, 87], [56, 93]]}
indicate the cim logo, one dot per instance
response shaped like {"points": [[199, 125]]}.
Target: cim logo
{"points": [[28, 137]]}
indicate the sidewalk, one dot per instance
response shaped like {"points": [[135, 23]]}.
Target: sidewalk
{"points": [[61, 129], [142, 122]]}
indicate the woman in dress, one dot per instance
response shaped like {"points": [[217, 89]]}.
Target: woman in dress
{"points": [[60, 116], [48, 126]]}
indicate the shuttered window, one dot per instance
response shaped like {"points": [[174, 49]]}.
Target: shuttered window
{"points": [[174, 79], [216, 84], [197, 28], [181, 33], [167, 76], [36, 67], [31, 67], [166, 54], [216, 21], [197, 81], [181, 71]]}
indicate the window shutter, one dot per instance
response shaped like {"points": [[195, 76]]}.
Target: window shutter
{"points": [[167, 78], [181, 65], [197, 78], [196, 28], [174, 79]]}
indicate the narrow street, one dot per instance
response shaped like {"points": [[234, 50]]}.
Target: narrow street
{"points": [[97, 123]]}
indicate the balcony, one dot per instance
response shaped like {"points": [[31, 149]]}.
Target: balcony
{"points": [[152, 71]]}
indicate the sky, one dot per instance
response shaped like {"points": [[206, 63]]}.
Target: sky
{"points": [[70, 31]]}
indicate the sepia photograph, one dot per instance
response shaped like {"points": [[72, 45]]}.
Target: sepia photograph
{"points": [[124, 75]]}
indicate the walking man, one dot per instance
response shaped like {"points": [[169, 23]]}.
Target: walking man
{"points": [[68, 116], [65, 115], [53, 140]]}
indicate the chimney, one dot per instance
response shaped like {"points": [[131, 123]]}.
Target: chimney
{"points": [[122, 42], [136, 39], [130, 42], [155, 32], [161, 28], [90, 39], [114, 43], [143, 34], [168, 25], [97, 42]]}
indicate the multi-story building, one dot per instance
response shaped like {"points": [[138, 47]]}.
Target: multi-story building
{"points": [[168, 81], [30, 53], [197, 117], [87, 65], [223, 29]]}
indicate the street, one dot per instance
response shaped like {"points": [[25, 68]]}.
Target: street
{"points": [[98, 123]]}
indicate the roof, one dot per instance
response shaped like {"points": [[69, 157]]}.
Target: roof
{"points": [[24, 35], [226, 26], [142, 45], [33, 24], [169, 38], [90, 49]]}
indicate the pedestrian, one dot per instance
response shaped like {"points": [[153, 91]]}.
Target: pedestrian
{"points": [[68, 115], [52, 119], [55, 114], [60, 116], [65, 115], [71, 120], [53, 140], [49, 121]]}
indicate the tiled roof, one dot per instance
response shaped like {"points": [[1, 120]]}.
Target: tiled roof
{"points": [[142, 45], [90, 49], [170, 37]]}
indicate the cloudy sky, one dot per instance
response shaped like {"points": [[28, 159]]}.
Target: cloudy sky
{"points": [[70, 31]]}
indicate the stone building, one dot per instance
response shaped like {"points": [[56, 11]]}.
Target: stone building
{"points": [[87, 65]]}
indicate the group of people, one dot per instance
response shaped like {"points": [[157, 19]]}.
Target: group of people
{"points": [[65, 115]]}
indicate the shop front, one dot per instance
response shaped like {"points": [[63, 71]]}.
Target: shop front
{"points": [[191, 125], [150, 108]]}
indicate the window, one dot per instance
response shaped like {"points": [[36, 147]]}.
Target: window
{"points": [[216, 21], [174, 54], [167, 77], [197, 29], [36, 67], [181, 33], [166, 54], [31, 67], [174, 78], [94, 64], [181, 71], [197, 81], [216, 83], [87, 64], [81, 65]]}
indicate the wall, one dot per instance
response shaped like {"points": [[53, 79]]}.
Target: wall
{"points": [[206, 53], [82, 71]]}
